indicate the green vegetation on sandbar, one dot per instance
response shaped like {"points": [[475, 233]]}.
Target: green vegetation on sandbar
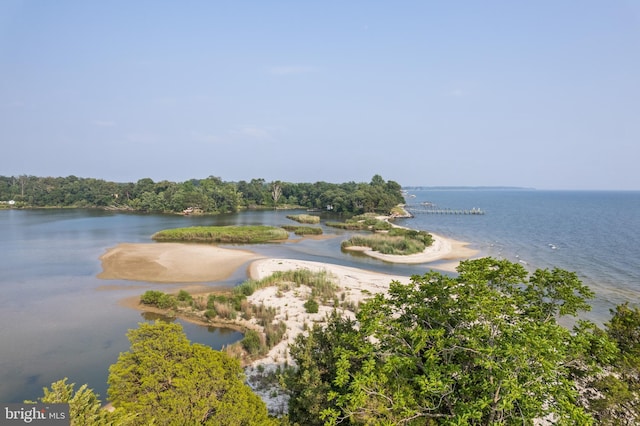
{"points": [[321, 283], [362, 222], [303, 230], [398, 241], [304, 218], [231, 305], [223, 234]]}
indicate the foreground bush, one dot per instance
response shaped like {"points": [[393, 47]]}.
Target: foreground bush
{"points": [[483, 348], [85, 408], [167, 380]]}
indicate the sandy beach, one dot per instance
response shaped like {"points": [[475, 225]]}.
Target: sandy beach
{"points": [[172, 262], [441, 249]]}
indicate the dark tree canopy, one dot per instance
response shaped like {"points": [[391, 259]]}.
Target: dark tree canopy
{"points": [[481, 348]]}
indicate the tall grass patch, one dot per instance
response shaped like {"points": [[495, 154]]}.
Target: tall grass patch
{"points": [[362, 223], [304, 218], [387, 244], [223, 234], [321, 283], [303, 230]]}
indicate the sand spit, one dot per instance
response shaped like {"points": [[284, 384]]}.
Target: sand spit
{"points": [[442, 249], [172, 262]]}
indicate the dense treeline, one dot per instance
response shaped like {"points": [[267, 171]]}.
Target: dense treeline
{"points": [[210, 195]]}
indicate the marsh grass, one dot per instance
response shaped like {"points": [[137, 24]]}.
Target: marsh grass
{"points": [[303, 230], [274, 333], [223, 234], [387, 244], [321, 283], [263, 314], [362, 223], [304, 218]]}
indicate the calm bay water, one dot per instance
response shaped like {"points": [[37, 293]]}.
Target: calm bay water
{"points": [[594, 233], [58, 320]]}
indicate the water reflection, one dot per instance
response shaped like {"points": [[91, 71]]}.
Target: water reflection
{"points": [[216, 337]]}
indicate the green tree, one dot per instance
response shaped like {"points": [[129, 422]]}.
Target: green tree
{"points": [[84, 406], [617, 397], [167, 380], [445, 350], [317, 357]]}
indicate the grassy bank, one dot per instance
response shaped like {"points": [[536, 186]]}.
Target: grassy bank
{"points": [[397, 241], [362, 222], [224, 307], [304, 218], [223, 234], [303, 230]]}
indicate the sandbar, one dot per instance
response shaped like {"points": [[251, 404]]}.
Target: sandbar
{"points": [[172, 262], [442, 249]]}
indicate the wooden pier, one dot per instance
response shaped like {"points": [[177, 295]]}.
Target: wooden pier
{"points": [[419, 209]]}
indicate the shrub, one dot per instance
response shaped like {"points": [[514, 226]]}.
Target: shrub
{"points": [[183, 296], [381, 225], [311, 306], [159, 299], [151, 297], [211, 299], [251, 342], [167, 301]]}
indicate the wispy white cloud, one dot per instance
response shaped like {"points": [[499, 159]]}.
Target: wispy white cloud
{"points": [[457, 93], [290, 70]]}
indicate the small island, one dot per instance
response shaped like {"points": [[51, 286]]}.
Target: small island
{"points": [[223, 234]]}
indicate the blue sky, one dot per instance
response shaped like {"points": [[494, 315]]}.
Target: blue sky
{"points": [[542, 94]]}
